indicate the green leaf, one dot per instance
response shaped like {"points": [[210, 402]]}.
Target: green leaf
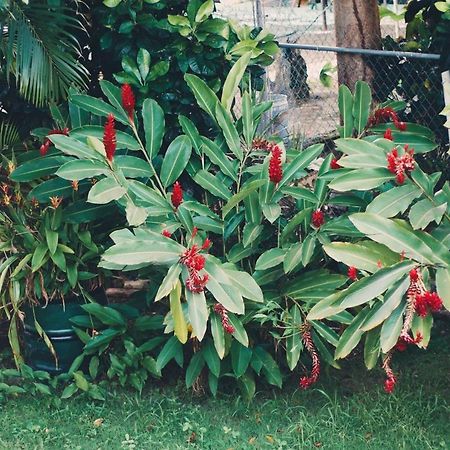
{"points": [[81, 169], [145, 196], [294, 223], [212, 184], [424, 212], [301, 161], [382, 310], [226, 295], [52, 240], [143, 60], [240, 358], [218, 335], [391, 329], [351, 336], [239, 196], [81, 381], [345, 102], [251, 232], [133, 167], [270, 258], [246, 285], [211, 358], [172, 349], [194, 368], [247, 386], [443, 285], [98, 107], [73, 147], [154, 126], [179, 322], [190, 130], [239, 331], [422, 325], [105, 191], [38, 168], [169, 282], [270, 368], [247, 119], [361, 105], [198, 312], [217, 157], [293, 257], [372, 348], [229, 131], [175, 160], [394, 201], [293, 341], [205, 97], [69, 390], [394, 235], [233, 79], [308, 246], [361, 180], [105, 314], [205, 10], [300, 193], [38, 257]]}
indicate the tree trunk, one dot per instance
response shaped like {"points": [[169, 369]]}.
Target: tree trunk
{"points": [[357, 24]]}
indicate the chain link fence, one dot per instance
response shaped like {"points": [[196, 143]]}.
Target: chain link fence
{"points": [[303, 81]]}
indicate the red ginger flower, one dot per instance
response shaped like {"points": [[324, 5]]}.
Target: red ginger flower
{"points": [[166, 233], [307, 381], [383, 115], [177, 195], [401, 165], [275, 169], [223, 313], [109, 138], [335, 164], [128, 100], [389, 385], [195, 263], [388, 135], [352, 273], [318, 218], [426, 302]]}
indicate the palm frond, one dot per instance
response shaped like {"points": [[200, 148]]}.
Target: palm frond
{"points": [[9, 135], [42, 51]]}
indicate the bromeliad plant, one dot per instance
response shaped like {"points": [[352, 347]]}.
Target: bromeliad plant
{"points": [[240, 217]]}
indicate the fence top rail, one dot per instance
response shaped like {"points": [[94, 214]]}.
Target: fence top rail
{"points": [[362, 51]]}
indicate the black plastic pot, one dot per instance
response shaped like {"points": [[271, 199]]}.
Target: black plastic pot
{"points": [[55, 321]]}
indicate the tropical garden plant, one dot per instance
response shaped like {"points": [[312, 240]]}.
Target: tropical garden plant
{"points": [[258, 254]]}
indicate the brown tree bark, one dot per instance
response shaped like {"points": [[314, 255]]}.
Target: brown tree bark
{"points": [[357, 24]]}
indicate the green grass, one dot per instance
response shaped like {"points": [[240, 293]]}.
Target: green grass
{"points": [[347, 410]]}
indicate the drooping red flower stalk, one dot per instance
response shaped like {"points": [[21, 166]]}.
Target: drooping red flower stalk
{"points": [[388, 135], [177, 195], [275, 169], [318, 218], [306, 381], [109, 138], [223, 313], [195, 263], [401, 165], [128, 100], [43, 150], [391, 380], [352, 273], [383, 115], [427, 302], [335, 164]]}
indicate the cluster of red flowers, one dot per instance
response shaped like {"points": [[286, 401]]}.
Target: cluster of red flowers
{"points": [[166, 233], [335, 164], [195, 262], [47, 142], [223, 313], [109, 138], [404, 341], [177, 195], [383, 115], [307, 381], [318, 218], [128, 100], [422, 300], [275, 169], [401, 165], [388, 135], [352, 273]]}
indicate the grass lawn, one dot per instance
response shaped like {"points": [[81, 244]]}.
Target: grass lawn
{"points": [[347, 410]]}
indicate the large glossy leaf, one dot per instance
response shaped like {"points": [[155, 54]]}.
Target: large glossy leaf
{"points": [[392, 327], [179, 322], [218, 157], [424, 212], [239, 196], [123, 139], [239, 332], [246, 285], [205, 97], [145, 196], [247, 119], [194, 368], [229, 131], [154, 126], [270, 258], [351, 146], [394, 235], [361, 180], [443, 285], [293, 340], [233, 79], [345, 102], [105, 191], [98, 107], [171, 350], [226, 295], [82, 212], [218, 335], [73, 147], [38, 168], [81, 169], [50, 188], [372, 348], [212, 184], [175, 160], [198, 312], [169, 282], [361, 105], [394, 201], [133, 167], [240, 358], [211, 357]]}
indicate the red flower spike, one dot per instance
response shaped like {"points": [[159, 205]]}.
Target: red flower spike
{"points": [[307, 381], [223, 313], [195, 263], [401, 126], [207, 244], [44, 148], [335, 164], [177, 195], [109, 138], [318, 218], [166, 233], [413, 275], [426, 302], [275, 169], [352, 273], [400, 165], [128, 100], [388, 134], [389, 385]]}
